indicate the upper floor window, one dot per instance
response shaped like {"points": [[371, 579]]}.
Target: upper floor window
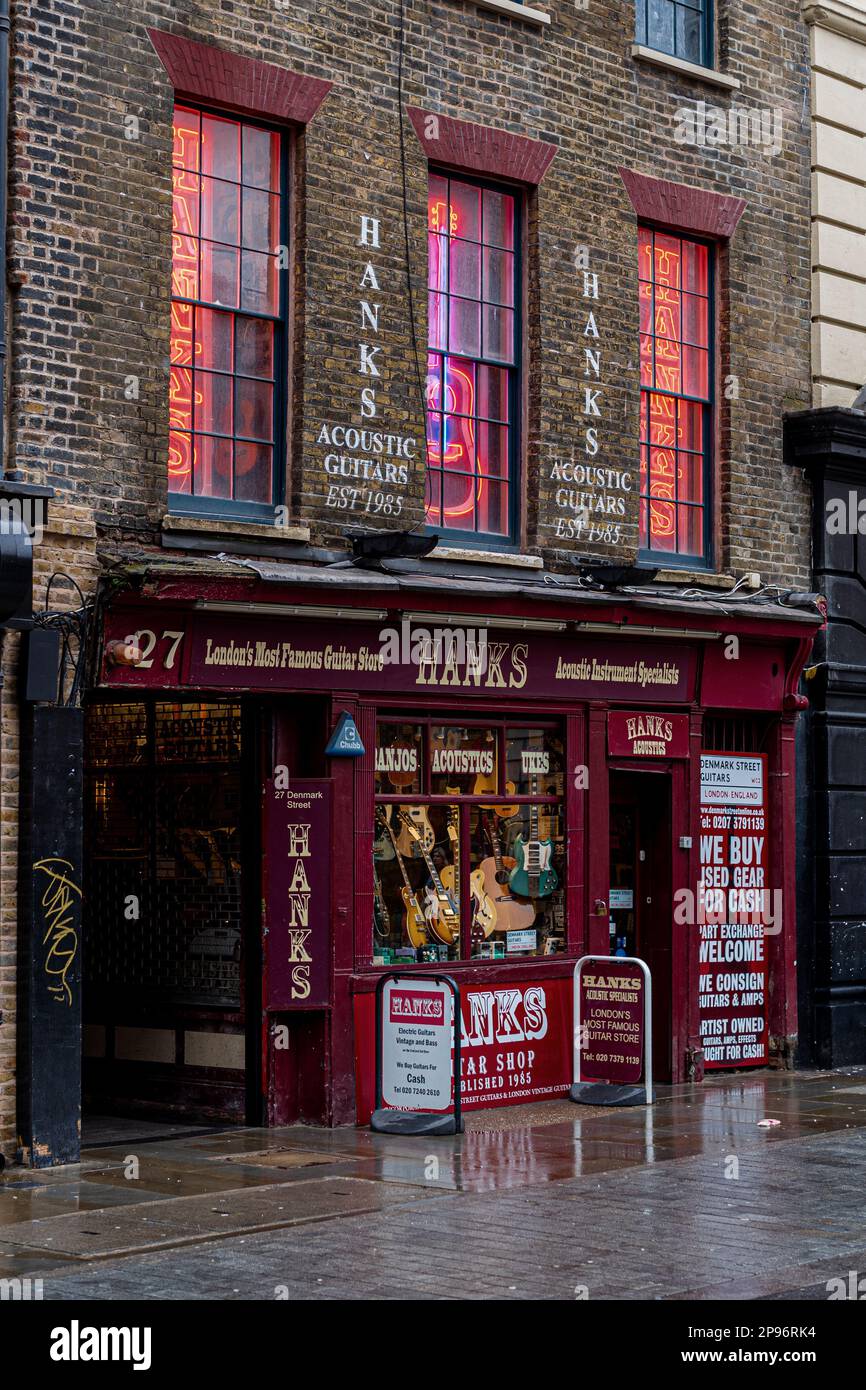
{"points": [[226, 412], [679, 27], [676, 367], [473, 362]]}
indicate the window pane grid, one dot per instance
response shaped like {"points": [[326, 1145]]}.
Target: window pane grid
{"points": [[675, 393], [225, 308], [678, 27], [471, 362]]}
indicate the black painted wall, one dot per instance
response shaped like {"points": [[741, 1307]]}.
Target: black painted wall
{"points": [[831, 445], [49, 943]]}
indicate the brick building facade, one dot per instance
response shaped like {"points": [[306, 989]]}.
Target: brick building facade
{"points": [[591, 133]]}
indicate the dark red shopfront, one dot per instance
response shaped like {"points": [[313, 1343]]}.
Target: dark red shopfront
{"points": [[278, 881]]}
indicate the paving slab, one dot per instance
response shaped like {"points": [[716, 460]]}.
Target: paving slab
{"points": [[149, 1225]]}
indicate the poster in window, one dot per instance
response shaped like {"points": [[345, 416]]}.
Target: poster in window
{"points": [[735, 910]]}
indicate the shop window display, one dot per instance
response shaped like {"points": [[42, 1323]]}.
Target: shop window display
{"points": [[468, 861]]}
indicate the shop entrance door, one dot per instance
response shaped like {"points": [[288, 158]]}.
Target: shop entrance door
{"points": [[172, 918], [641, 922]]}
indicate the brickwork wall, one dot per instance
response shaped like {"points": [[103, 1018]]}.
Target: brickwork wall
{"points": [[91, 240]]}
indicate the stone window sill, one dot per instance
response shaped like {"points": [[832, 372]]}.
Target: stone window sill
{"points": [[537, 18], [215, 526], [665, 60], [487, 557], [696, 578]]}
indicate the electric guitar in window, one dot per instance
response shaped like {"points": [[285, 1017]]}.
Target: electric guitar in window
{"points": [[511, 914], [441, 912], [414, 921], [416, 834], [381, 919], [484, 916], [533, 876], [383, 847]]}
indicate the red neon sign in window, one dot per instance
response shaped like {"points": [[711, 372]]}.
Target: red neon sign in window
{"points": [[225, 308], [471, 326], [674, 365]]}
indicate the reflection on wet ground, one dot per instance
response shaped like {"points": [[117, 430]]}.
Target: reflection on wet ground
{"points": [[139, 1171]]}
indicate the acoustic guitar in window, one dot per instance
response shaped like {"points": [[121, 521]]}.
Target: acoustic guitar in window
{"points": [[485, 782], [533, 876], [403, 769], [511, 913]]}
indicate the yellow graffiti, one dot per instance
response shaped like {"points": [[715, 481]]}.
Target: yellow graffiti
{"points": [[61, 934]]}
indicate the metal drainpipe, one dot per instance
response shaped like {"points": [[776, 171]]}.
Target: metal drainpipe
{"points": [[5, 27]]}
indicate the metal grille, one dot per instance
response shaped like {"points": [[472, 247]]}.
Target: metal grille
{"points": [[735, 733], [164, 861], [115, 734], [197, 733]]}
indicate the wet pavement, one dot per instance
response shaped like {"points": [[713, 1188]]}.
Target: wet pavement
{"points": [[694, 1198]]}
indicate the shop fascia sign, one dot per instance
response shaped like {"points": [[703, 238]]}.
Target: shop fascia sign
{"points": [[647, 734]]}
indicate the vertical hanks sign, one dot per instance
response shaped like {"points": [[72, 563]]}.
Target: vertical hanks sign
{"points": [[735, 909], [297, 836]]}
